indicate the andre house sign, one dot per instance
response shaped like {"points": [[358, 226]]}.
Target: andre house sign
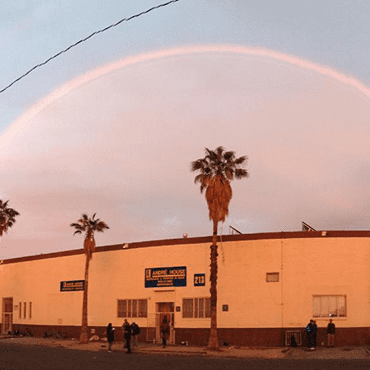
{"points": [[165, 277], [72, 286]]}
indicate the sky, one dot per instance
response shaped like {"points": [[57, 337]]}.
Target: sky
{"points": [[111, 126]]}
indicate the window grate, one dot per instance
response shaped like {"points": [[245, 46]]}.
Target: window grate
{"points": [[272, 277], [297, 336]]}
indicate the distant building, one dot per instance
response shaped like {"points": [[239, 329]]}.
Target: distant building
{"points": [[269, 286]]}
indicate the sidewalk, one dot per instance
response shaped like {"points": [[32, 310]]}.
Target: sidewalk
{"points": [[228, 352]]}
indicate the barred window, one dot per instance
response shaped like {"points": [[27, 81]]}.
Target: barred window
{"points": [[132, 308], [143, 307], [8, 305], [329, 305], [122, 308], [197, 308], [129, 305], [272, 277], [187, 308]]}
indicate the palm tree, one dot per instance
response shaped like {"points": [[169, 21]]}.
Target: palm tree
{"points": [[7, 217], [88, 226], [216, 170]]}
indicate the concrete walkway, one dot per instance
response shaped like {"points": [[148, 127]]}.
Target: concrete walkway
{"points": [[228, 352]]}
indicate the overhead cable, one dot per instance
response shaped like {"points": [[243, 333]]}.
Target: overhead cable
{"points": [[86, 38]]}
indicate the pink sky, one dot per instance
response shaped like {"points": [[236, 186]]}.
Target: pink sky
{"points": [[119, 140]]}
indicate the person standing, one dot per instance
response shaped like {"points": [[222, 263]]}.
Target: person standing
{"points": [[127, 335], [310, 335], [110, 336], [165, 331], [315, 332], [331, 333], [135, 331]]}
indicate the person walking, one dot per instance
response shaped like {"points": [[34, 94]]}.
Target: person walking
{"points": [[331, 333], [165, 331], [127, 335], [110, 336]]}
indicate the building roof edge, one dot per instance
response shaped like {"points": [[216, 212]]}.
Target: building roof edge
{"points": [[200, 240]]}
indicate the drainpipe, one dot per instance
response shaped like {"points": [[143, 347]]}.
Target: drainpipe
{"points": [[282, 276]]}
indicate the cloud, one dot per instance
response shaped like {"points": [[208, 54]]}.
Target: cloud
{"points": [[168, 224]]}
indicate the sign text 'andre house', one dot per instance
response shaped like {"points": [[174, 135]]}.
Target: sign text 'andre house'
{"points": [[165, 277]]}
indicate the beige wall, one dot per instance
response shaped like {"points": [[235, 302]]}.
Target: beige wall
{"points": [[39, 282], [307, 267], [326, 266], [242, 284]]}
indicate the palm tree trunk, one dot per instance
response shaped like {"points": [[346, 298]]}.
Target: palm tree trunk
{"points": [[213, 338], [84, 335]]}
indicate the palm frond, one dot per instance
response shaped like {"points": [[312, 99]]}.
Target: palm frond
{"points": [[241, 160], [196, 165], [229, 155], [241, 173]]}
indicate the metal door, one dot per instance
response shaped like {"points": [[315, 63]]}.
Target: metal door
{"points": [[7, 317]]}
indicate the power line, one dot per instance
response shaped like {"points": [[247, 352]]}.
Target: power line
{"points": [[86, 38]]}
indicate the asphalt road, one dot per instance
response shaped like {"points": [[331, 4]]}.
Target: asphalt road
{"points": [[18, 357]]}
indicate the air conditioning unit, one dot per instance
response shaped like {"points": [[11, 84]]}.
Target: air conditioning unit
{"points": [[297, 336]]}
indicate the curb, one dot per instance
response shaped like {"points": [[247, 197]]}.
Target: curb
{"points": [[174, 352], [9, 337], [286, 350]]}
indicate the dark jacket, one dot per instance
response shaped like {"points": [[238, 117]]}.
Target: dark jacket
{"points": [[135, 330], [165, 328], [110, 333], [127, 331], [310, 329], [331, 328]]}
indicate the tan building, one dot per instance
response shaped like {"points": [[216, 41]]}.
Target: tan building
{"points": [[269, 285]]}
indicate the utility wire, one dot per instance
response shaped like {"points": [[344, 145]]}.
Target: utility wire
{"points": [[88, 37]]}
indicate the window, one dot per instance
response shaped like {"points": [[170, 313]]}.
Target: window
{"points": [[122, 308], [143, 308], [25, 309], [30, 310], [187, 308], [129, 305], [325, 305], [8, 305], [20, 310], [196, 308], [132, 308], [272, 277]]}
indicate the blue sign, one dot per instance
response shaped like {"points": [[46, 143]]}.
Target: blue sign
{"points": [[165, 277], [72, 286], [199, 279]]}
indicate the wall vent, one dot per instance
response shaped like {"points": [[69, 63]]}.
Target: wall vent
{"points": [[297, 335]]}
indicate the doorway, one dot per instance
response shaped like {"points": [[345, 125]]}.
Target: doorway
{"points": [[7, 321], [165, 309]]}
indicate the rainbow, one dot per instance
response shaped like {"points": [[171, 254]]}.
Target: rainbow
{"points": [[181, 51]]}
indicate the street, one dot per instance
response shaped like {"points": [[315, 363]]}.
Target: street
{"points": [[26, 357]]}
